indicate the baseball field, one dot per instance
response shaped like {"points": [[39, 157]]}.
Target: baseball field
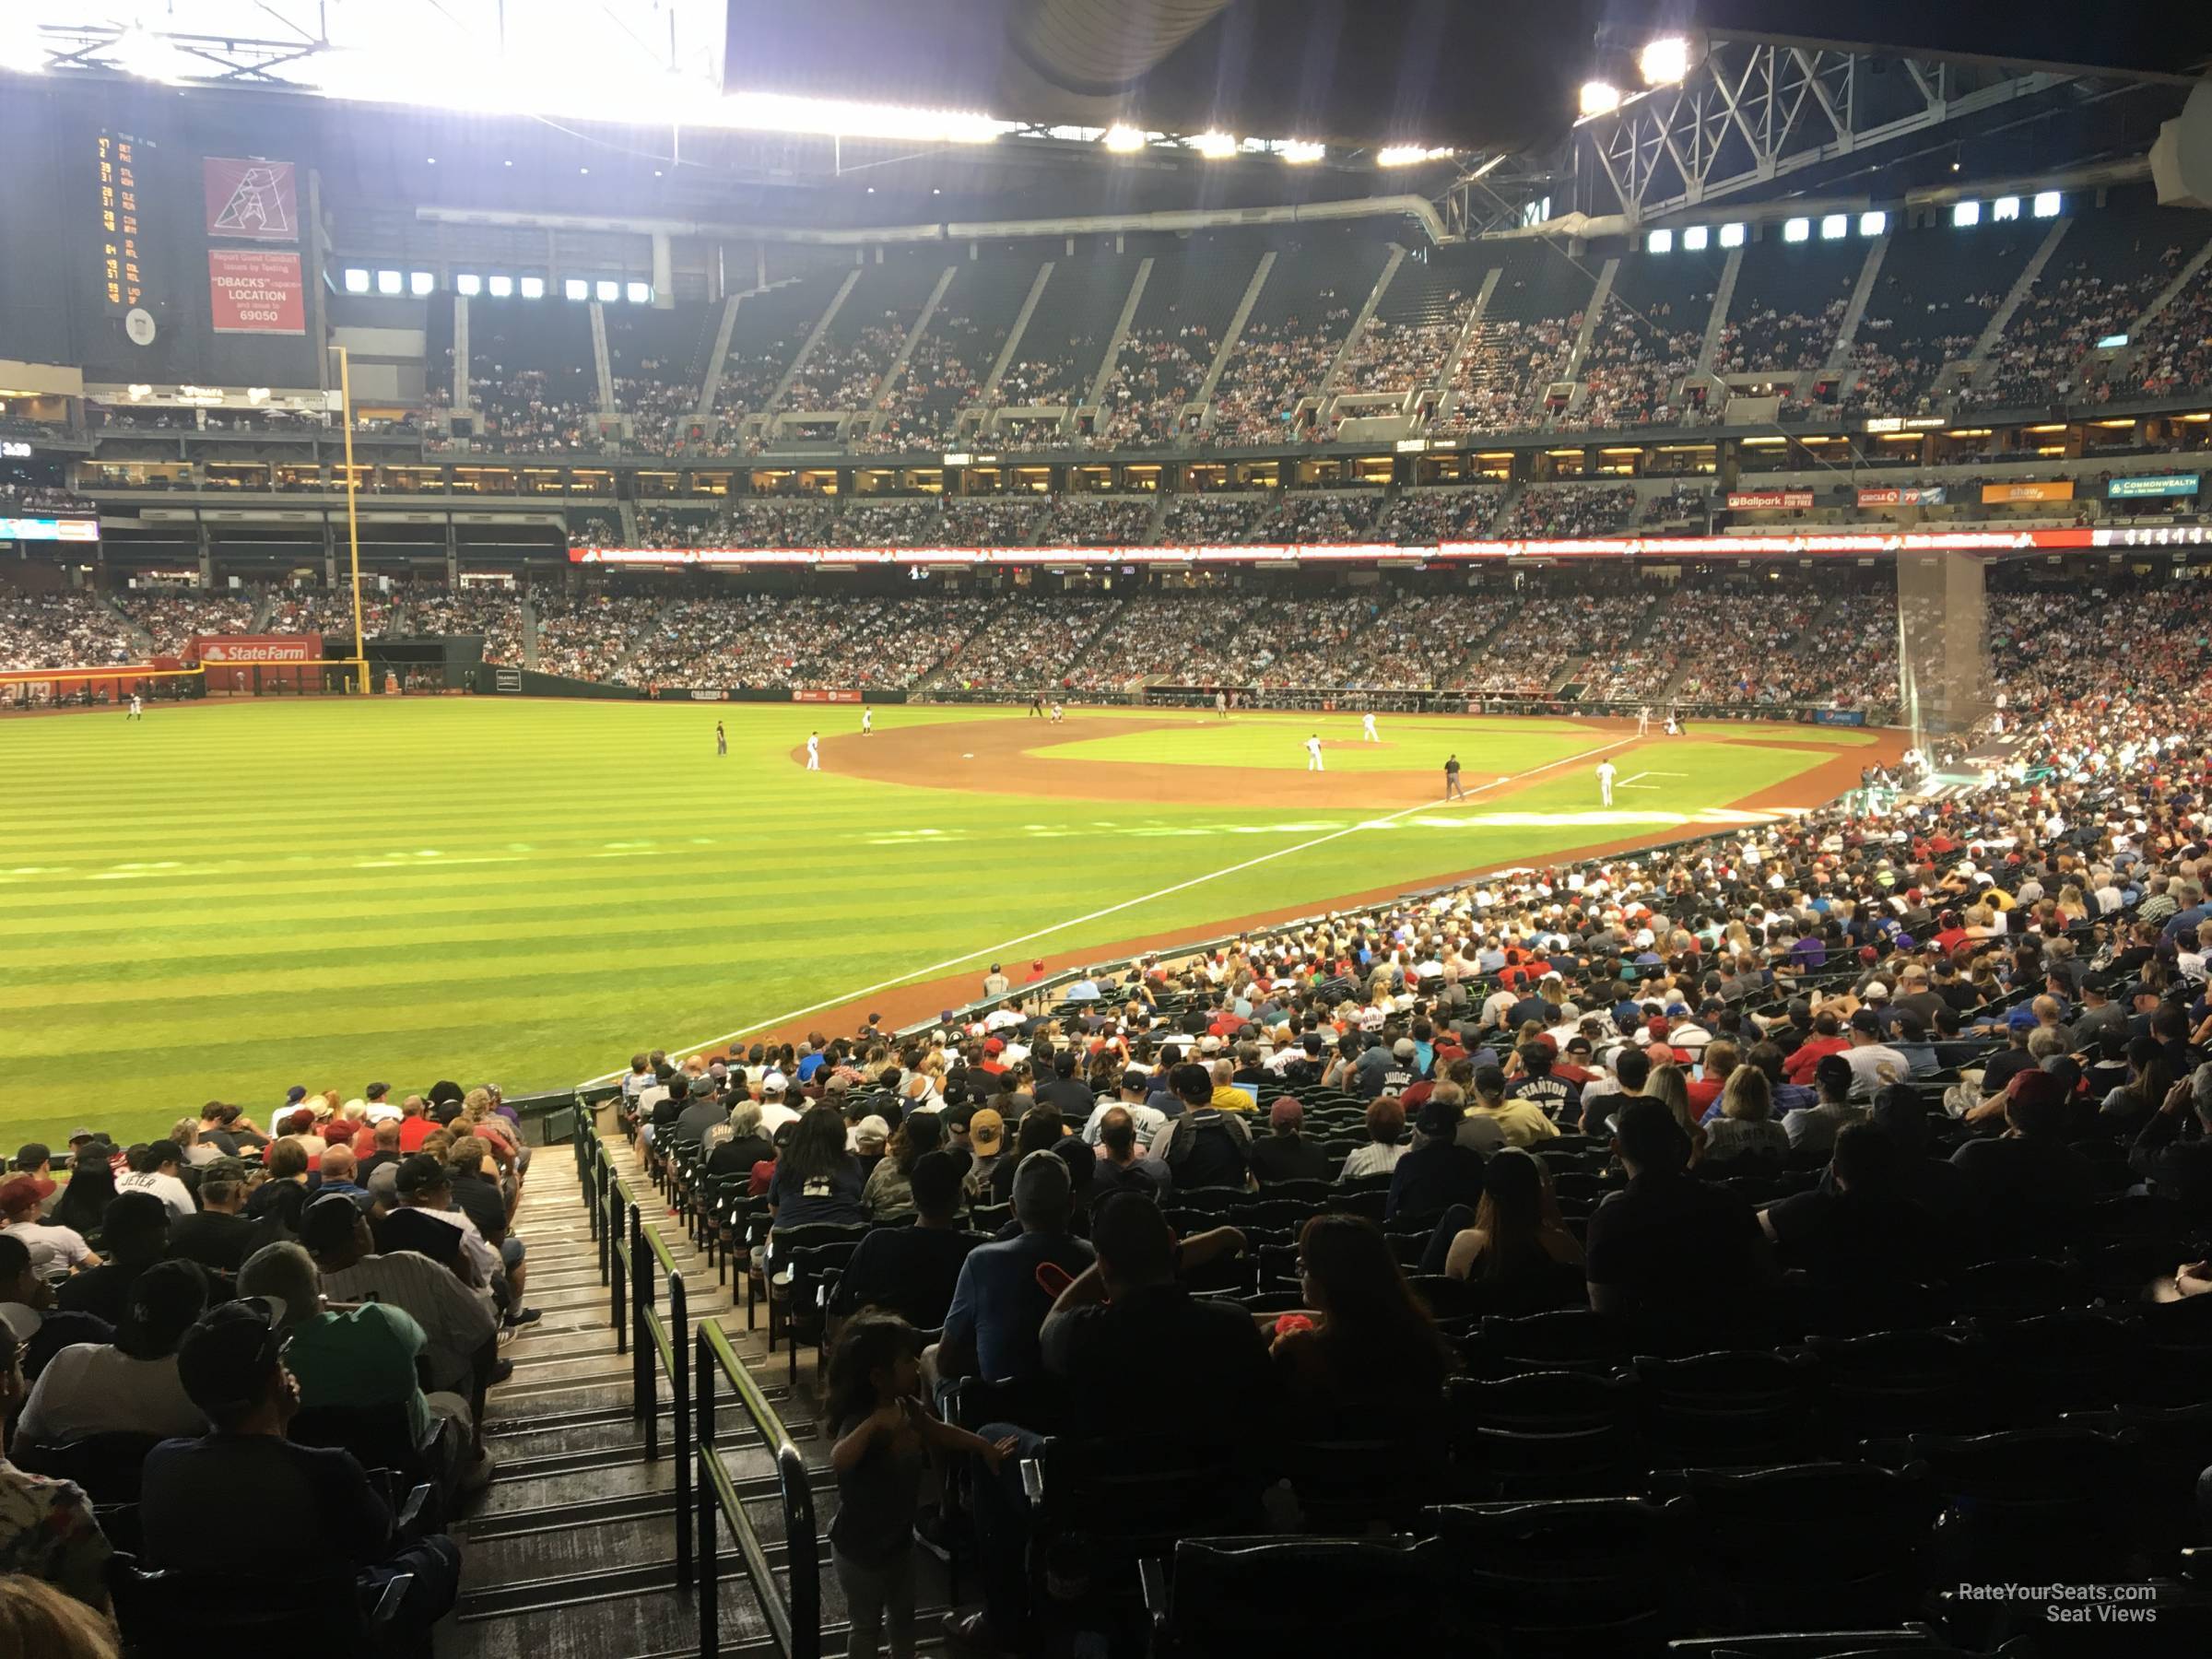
{"points": [[221, 901]]}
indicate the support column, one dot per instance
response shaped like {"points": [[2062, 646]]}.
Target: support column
{"points": [[452, 556], [330, 553], [664, 273], [206, 541]]}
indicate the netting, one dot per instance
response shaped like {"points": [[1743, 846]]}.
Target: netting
{"points": [[1942, 667]]}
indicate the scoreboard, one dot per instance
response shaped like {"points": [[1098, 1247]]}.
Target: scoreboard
{"points": [[122, 269]]}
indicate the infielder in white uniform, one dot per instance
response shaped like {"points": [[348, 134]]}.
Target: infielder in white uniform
{"points": [[867, 722], [1643, 721], [1313, 754], [1606, 772], [137, 709], [813, 752], [1367, 729]]}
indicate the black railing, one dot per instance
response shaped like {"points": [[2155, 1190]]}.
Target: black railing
{"points": [[795, 1616], [629, 1252]]}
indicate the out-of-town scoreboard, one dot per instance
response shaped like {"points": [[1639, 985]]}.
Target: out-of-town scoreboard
{"points": [[122, 272]]}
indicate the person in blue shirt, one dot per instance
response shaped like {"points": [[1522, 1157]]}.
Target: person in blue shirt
{"points": [[1000, 1301], [811, 1062]]}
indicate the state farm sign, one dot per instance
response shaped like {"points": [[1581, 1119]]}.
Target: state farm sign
{"points": [[255, 648]]}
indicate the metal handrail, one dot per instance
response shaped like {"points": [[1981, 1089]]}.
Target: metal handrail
{"points": [[794, 1618]]}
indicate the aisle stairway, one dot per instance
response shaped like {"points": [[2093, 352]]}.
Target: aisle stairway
{"points": [[573, 1549]]}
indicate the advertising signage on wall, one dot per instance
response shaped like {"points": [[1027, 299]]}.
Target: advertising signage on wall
{"points": [[251, 200], [1757, 501], [2153, 484], [255, 292], [1909, 495], [2043, 489], [47, 529]]}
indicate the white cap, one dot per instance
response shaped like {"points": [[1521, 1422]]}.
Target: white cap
{"points": [[774, 1083]]}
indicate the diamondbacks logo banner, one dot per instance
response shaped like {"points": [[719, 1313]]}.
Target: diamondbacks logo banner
{"points": [[251, 200]]}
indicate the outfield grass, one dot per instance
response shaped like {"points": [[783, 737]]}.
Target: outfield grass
{"points": [[223, 901]]}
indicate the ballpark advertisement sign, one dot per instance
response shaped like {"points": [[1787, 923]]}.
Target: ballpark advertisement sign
{"points": [[1909, 495], [253, 648], [250, 199], [2153, 484], [250, 292], [1755, 501]]}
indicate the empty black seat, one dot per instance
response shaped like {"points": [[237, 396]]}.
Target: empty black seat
{"points": [[1290, 1597]]}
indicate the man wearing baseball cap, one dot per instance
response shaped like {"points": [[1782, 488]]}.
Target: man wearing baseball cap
{"points": [[35, 1159], [987, 1144], [50, 1246], [246, 1493]]}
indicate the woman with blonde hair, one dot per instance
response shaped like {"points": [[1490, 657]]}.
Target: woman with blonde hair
{"points": [[36, 1621], [1746, 1130], [1670, 1084]]}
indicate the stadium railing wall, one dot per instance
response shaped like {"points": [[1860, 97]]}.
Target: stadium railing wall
{"points": [[1332, 700], [98, 688]]}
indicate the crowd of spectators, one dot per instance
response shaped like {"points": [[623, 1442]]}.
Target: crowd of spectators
{"points": [[330, 611], [1420, 516], [1028, 644], [2176, 354], [532, 412], [1270, 367], [1003, 521], [180, 1303], [1499, 383], [1095, 521], [19, 498], [1542, 632], [918, 522], [845, 374], [745, 522], [1632, 374], [2043, 356], [1724, 643], [589, 639], [944, 373], [171, 618], [1204, 519], [1158, 372], [1570, 510], [63, 629], [496, 613], [1767, 340], [1324, 516], [1398, 357]]}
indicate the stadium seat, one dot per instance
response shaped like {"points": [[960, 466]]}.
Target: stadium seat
{"points": [[1302, 1598], [1571, 1577]]}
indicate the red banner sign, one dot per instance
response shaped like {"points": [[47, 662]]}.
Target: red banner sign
{"points": [[251, 200], [1757, 501], [825, 697], [1909, 495], [255, 293], [253, 648]]}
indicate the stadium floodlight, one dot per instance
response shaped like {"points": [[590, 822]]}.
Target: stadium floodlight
{"points": [[20, 48], [390, 282], [638, 293], [1122, 140], [1215, 146], [468, 283], [1797, 230], [421, 284], [1298, 152], [1663, 61], [357, 280], [150, 56], [533, 288], [2004, 207], [1695, 237], [1732, 235], [502, 287], [1834, 226], [1965, 214], [1600, 98], [606, 291], [2047, 203], [1407, 154], [1872, 224], [1659, 242], [576, 288]]}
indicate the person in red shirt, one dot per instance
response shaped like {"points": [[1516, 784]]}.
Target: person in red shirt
{"points": [[415, 1124], [1827, 1039], [1720, 1060], [993, 1048]]}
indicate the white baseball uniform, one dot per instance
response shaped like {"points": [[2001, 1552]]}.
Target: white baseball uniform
{"points": [[813, 752], [1606, 771], [1314, 755], [1367, 729]]}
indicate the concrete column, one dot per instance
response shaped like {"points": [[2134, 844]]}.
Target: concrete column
{"points": [[664, 273]]}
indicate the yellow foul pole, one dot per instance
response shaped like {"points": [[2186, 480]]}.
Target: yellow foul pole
{"points": [[353, 530]]}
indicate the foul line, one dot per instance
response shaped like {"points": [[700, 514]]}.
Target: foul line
{"points": [[1006, 944]]}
